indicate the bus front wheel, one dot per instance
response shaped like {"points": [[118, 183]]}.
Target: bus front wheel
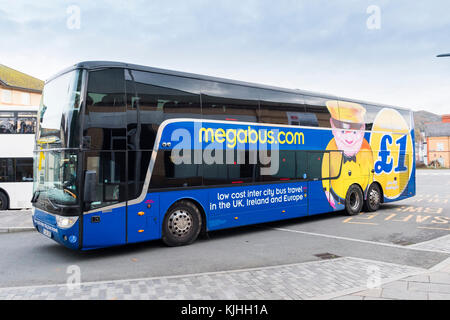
{"points": [[182, 224], [354, 200]]}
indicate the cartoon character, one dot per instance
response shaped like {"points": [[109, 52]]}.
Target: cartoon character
{"points": [[348, 147]]}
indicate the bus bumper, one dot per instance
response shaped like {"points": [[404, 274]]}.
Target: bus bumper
{"points": [[45, 223]]}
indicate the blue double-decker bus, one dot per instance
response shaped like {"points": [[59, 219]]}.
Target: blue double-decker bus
{"points": [[127, 153]]}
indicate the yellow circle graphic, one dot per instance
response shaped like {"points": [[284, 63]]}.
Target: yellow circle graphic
{"points": [[392, 149]]}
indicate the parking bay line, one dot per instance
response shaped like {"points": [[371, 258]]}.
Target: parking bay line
{"points": [[447, 229], [348, 220], [391, 245]]}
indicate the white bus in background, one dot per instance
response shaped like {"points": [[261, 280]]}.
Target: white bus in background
{"points": [[17, 129]]}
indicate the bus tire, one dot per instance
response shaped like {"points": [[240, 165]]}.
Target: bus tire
{"points": [[182, 224], [354, 200], [373, 200], [3, 201]]}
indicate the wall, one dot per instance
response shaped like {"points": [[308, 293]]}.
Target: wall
{"points": [[439, 149], [16, 97]]}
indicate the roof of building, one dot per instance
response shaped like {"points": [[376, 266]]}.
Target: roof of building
{"points": [[19, 80], [437, 129]]}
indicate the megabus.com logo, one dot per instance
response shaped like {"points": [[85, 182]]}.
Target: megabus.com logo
{"points": [[251, 136], [232, 145]]}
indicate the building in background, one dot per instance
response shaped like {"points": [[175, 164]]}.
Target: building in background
{"points": [[438, 142], [20, 95], [421, 149]]}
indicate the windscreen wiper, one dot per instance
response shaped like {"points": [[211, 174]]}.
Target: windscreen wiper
{"points": [[36, 195]]}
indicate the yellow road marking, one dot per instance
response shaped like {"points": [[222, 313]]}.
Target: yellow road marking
{"points": [[356, 222], [448, 229]]}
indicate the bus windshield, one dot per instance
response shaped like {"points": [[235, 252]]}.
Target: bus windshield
{"points": [[55, 178], [55, 167], [59, 107]]}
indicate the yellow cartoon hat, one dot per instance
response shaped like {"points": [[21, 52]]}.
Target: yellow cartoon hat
{"points": [[346, 111]]}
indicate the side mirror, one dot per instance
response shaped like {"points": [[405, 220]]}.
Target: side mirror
{"points": [[90, 181]]}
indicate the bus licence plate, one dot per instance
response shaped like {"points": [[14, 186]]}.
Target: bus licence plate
{"points": [[47, 233]]}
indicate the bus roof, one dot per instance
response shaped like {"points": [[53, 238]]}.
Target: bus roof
{"points": [[92, 65]]}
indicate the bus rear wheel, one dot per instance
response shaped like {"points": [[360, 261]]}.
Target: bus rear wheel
{"points": [[182, 224], [373, 200], [354, 200], [3, 201]]}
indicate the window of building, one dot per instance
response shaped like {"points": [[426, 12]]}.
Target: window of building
{"points": [[25, 96], [6, 96]]}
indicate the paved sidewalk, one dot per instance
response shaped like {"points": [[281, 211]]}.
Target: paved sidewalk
{"points": [[431, 285], [311, 280], [15, 221], [440, 244]]}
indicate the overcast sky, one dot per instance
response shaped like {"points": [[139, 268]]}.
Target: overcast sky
{"points": [[339, 47]]}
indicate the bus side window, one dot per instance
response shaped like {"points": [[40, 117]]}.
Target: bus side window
{"points": [[111, 177], [315, 159], [286, 166], [317, 106], [162, 97], [167, 174], [335, 163], [229, 102], [24, 169], [105, 121], [371, 113], [301, 158], [138, 162], [6, 170], [282, 108]]}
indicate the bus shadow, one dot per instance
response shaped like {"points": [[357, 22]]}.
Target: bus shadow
{"points": [[261, 227], [211, 236]]}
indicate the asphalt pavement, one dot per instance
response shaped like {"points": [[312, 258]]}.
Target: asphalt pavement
{"points": [[404, 237]]}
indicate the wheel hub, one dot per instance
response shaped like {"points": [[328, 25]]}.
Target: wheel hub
{"points": [[180, 222], [374, 197]]}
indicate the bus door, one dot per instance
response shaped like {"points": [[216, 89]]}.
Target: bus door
{"points": [[142, 213], [317, 184], [105, 218]]}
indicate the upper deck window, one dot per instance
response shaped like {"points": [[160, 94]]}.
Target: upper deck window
{"points": [[317, 106], [105, 115], [18, 122], [284, 108]]}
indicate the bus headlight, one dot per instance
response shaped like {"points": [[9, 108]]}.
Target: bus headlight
{"points": [[65, 222]]}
